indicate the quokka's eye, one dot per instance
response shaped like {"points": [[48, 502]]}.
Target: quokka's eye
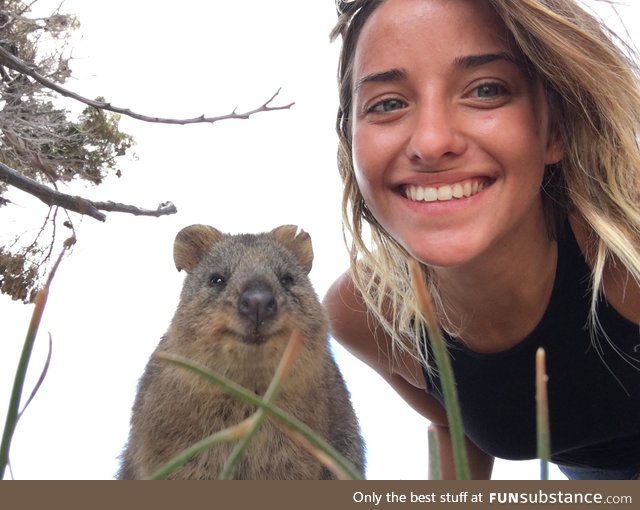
{"points": [[216, 280], [287, 280]]}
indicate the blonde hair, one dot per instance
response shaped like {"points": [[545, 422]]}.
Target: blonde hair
{"points": [[590, 78]]}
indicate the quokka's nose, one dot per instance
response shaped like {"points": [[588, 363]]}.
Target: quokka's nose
{"points": [[257, 304]]}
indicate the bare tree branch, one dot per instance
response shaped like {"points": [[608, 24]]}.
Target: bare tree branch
{"points": [[164, 209], [17, 64], [76, 203]]}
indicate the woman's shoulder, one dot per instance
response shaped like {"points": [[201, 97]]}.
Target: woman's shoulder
{"points": [[620, 289], [358, 331], [354, 326]]}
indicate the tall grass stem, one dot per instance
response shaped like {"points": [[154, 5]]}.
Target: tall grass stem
{"points": [[275, 412], [542, 414], [445, 370], [287, 360], [21, 370]]}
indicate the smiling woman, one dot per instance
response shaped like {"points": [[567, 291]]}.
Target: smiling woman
{"points": [[468, 114], [477, 137]]}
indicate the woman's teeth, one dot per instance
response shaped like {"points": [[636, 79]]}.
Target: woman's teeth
{"points": [[446, 192]]}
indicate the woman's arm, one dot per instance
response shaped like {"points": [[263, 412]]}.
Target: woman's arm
{"points": [[355, 329]]}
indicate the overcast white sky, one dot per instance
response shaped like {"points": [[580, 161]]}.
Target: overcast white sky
{"points": [[115, 294]]}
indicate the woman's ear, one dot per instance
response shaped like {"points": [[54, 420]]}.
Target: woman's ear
{"points": [[555, 151]]}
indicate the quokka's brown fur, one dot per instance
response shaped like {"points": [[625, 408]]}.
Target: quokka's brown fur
{"points": [[242, 298]]}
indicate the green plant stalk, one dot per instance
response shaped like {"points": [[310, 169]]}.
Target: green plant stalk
{"points": [[21, 370], [443, 363], [318, 454], [269, 397], [542, 415], [277, 413], [238, 452], [18, 382], [435, 470], [454, 417], [229, 434]]}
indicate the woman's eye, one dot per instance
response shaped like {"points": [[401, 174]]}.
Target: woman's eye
{"points": [[489, 90], [386, 105]]}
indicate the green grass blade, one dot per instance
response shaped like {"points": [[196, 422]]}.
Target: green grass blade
{"points": [[288, 358], [240, 449], [435, 470], [230, 434], [18, 381], [275, 412], [542, 415], [21, 370], [443, 363]]}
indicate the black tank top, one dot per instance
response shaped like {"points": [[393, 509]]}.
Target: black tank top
{"points": [[594, 388]]}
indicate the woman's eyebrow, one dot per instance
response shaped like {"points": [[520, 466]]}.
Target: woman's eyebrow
{"points": [[381, 77], [470, 61], [465, 62]]}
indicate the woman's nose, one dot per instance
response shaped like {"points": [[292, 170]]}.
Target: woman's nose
{"points": [[435, 135]]}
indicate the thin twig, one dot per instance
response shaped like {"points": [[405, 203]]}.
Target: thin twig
{"points": [[17, 64], [75, 203]]}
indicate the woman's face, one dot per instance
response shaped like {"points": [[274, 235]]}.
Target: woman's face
{"points": [[450, 136]]}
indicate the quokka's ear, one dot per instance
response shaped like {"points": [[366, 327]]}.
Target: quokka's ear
{"points": [[191, 244], [298, 241]]}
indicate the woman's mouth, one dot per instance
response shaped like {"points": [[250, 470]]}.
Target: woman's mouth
{"points": [[458, 190]]}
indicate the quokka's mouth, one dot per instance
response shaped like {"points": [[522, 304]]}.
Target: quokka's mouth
{"points": [[255, 338], [265, 333]]}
